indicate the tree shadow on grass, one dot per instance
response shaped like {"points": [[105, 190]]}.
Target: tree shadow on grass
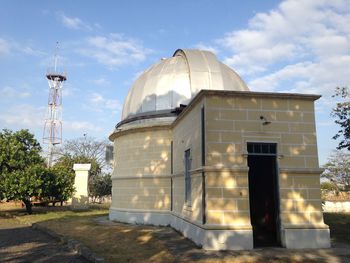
{"points": [[20, 243], [120, 242]]}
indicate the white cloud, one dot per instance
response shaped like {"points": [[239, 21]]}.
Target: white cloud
{"points": [[4, 46], [68, 91], [100, 103], [114, 105], [74, 23], [8, 46], [82, 126], [22, 116], [101, 81], [203, 46], [114, 50], [292, 73], [25, 116], [301, 46], [9, 92], [96, 98], [306, 77], [30, 51]]}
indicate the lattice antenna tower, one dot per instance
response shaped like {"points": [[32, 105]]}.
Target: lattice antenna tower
{"points": [[52, 134]]}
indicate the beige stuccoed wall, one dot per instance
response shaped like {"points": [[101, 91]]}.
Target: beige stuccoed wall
{"points": [[192, 211], [187, 135], [143, 194], [141, 176], [231, 122], [144, 152], [228, 198], [300, 198]]}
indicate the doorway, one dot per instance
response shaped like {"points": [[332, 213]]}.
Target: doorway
{"points": [[263, 193]]}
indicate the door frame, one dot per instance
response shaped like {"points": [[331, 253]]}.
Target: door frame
{"points": [[277, 186]]}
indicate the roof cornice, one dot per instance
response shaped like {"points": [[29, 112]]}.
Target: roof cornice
{"points": [[250, 94]]}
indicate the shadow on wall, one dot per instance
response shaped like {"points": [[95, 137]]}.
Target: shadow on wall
{"points": [[139, 155], [156, 102], [300, 202], [230, 124], [292, 126]]}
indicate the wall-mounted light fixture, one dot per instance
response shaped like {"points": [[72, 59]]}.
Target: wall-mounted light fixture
{"points": [[264, 120]]}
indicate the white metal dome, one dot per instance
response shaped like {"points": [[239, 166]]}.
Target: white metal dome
{"points": [[176, 80]]}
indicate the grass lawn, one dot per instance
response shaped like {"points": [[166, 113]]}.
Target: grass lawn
{"points": [[41, 214], [137, 243], [339, 224], [117, 243]]}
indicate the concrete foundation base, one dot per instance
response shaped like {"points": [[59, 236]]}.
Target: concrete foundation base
{"points": [[157, 218], [209, 239], [222, 239], [306, 238]]}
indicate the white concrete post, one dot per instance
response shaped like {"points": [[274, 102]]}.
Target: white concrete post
{"points": [[80, 198]]}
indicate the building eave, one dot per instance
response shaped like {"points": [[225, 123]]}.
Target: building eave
{"points": [[250, 94]]}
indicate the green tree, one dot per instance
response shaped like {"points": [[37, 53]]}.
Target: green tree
{"points": [[341, 113], [67, 161], [337, 170], [21, 167], [58, 183], [328, 186], [101, 186], [88, 150]]}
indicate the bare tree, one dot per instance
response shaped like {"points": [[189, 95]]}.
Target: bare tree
{"points": [[87, 147], [337, 170]]}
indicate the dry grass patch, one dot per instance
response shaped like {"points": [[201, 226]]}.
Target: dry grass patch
{"points": [[40, 214], [119, 242], [116, 243]]}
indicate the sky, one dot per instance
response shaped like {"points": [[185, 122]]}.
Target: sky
{"points": [[277, 46]]}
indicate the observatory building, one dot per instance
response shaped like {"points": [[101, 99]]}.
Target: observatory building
{"points": [[227, 167]]}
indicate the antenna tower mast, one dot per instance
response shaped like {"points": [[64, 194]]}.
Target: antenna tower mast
{"points": [[52, 134]]}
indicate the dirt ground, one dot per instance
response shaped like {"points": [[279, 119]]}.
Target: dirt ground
{"points": [[184, 250], [118, 242], [22, 243]]}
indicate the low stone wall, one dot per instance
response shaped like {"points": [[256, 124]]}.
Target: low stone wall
{"points": [[336, 206]]}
